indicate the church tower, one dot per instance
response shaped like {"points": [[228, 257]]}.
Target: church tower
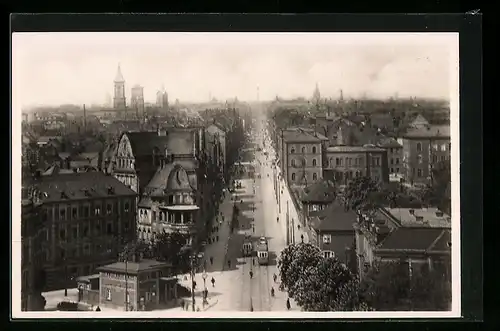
{"points": [[119, 99], [316, 95]]}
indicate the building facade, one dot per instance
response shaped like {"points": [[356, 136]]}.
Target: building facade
{"points": [[394, 155], [301, 156], [88, 217], [32, 230], [423, 149], [137, 100], [215, 141], [133, 285], [347, 162]]}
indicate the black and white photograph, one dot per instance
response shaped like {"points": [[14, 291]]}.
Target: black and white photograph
{"points": [[235, 175]]}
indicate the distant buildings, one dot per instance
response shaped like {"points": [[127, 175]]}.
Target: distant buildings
{"points": [[119, 91], [87, 218], [162, 99]]}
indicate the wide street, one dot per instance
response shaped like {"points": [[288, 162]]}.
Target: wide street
{"points": [[234, 288]]}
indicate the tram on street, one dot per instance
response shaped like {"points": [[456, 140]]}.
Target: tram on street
{"points": [[263, 251], [247, 248]]}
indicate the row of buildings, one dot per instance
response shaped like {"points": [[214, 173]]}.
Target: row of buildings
{"points": [[148, 183], [345, 150]]}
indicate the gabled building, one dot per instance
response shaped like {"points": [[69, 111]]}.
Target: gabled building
{"points": [[317, 197], [331, 229], [422, 237]]}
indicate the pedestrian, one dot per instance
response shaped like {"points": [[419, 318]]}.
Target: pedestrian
{"points": [[229, 263], [98, 308], [217, 237], [253, 261], [211, 260], [194, 284], [251, 274], [182, 305], [288, 304], [209, 241], [213, 282], [302, 238], [275, 277]]}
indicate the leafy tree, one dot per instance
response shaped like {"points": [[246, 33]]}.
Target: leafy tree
{"points": [[359, 194], [294, 261], [390, 286], [349, 297], [319, 286], [168, 246]]}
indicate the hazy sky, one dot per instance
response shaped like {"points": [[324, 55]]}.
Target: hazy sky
{"points": [[78, 68]]}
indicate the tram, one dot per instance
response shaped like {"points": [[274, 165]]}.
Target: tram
{"points": [[247, 248], [263, 251]]}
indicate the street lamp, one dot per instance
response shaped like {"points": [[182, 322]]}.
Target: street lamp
{"points": [[193, 258], [204, 276]]}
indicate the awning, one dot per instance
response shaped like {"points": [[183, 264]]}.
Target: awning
{"points": [[182, 207]]}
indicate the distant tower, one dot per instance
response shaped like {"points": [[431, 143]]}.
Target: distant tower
{"points": [[341, 95], [162, 98], [119, 99], [258, 94], [137, 100], [316, 95]]}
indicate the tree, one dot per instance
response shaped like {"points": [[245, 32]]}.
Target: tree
{"points": [[390, 286], [319, 287], [294, 261], [359, 194]]}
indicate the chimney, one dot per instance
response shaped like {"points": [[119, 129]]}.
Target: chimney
{"points": [[412, 211]]}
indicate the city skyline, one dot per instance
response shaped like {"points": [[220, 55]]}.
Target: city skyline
{"points": [[78, 68]]}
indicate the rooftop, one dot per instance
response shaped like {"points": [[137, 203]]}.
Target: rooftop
{"points": [[134, 267], [302, 135], [388, 143], [354, 149], [422, 217], [417, 239], [77, 186], [429, 131], [335, 217], [322, 191]]}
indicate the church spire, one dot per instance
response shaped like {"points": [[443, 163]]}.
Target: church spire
{"points": [[119, 77]]}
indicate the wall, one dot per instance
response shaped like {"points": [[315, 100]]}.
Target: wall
{"points": [[309, 157], [118, 289], [340, 240]]}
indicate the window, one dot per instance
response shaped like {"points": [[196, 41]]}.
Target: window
{"points": [[75, 233], [443, 147], [331, 162], [62, 214], [397, 160], [109, 208], [303, 150], [153, 216], [349, 161], [392, 170], [86, 249], [419, 147], [397, 170], [328, 254], [292, 150], [109, 228], [74, 212], [443, 158], [97, 211], [315, 176], [86, 211], [62, 234], [338, 161], [327, 238], [294, 163], [62, 253], [293, 176], [419, 172], [314, 149], [361, 161], [127, 206], [392, 161], [108, 294], [314, 162]]}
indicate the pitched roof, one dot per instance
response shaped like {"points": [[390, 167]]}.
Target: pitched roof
{"points": [[430, 131], [134, 267], [302, 135], [410, 217], [421, 239], [354, 149], [388, 142], [322, 191], [76, 186], [159, 181], [334, 218], [382, 120]]}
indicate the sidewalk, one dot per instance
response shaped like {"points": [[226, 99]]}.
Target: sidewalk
{"points": [[218, 249]]}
